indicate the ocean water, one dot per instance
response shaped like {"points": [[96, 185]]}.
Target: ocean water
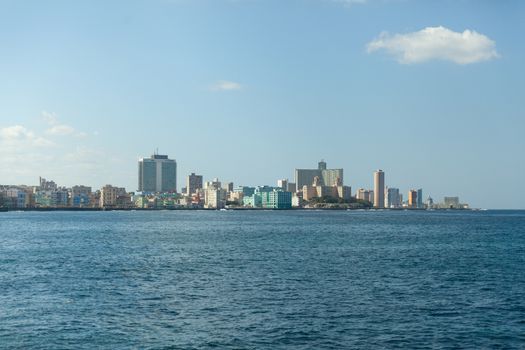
{"points": [[262, 280]]}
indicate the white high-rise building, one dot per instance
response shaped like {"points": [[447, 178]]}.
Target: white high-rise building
{"points": [[157, 174]]}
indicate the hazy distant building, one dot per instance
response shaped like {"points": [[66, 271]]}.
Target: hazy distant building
{"points": [[451, 202], [412, 199], [228, 186], [420, 198], [392, 198], [328, 177], [363, 194], [430, 202], [193, 183], [157, 174], [47, 185], [379, 189]]}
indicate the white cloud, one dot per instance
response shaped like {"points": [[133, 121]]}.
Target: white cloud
{"points": [[225, 85], [436, 43], [19, 136], [58, 129]]}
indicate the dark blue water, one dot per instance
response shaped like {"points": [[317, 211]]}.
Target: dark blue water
{"points": [[262, 280]]}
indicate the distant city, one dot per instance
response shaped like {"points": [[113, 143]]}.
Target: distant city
{"points": [[316, 188]]}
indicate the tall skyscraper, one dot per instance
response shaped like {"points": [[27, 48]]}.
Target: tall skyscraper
{"points": [[420, 198], [193, 183], [412, 199], [157, 174], [328, 177], [379, 189]]}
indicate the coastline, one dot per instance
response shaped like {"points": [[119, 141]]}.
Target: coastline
{"points": [[54, 209]]}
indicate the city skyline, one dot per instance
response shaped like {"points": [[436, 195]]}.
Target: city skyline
{"points": [[157, 177], [249, 90]]}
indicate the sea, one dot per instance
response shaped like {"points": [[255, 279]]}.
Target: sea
{"points": [[262, 280]]}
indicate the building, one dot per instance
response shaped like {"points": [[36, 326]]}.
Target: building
{"points": [[392, 198], [15, 198], [363, 194], [193, 183], [111, 196], [328, 177], [214, 195], [379, 189], [420, 204], [80, 196], [451, 202], [214, 198], [283, 184], [245, 190], [277, 199], [228, 186], [412, 199], [318, 190], [269, 198], [213, 184], [157, 174], [47, 185]]}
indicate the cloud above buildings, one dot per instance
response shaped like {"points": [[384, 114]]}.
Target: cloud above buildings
{"points": [[18, 135], [436, 43], [225, 85], [58, 129]]}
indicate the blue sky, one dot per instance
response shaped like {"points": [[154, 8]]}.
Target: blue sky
{"points": [[429, 91]]}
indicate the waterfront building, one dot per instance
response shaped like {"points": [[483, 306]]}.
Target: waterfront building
{"points": [[297, 200], [214, 197], [420, 198], [412, 199], [157, 174], [193, 183], [328, 177], [451, 202], [344, 192], [291, 187], [269, 197], [15, 198], [430, 202], [318, 190], [80, 196], [379, 189], [277, 199], [392, 198], [111, 196]]}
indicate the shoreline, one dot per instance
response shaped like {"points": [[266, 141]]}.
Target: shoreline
{"points": [[53, 209]]}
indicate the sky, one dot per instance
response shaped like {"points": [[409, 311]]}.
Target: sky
{"points": [[431, 92]]}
